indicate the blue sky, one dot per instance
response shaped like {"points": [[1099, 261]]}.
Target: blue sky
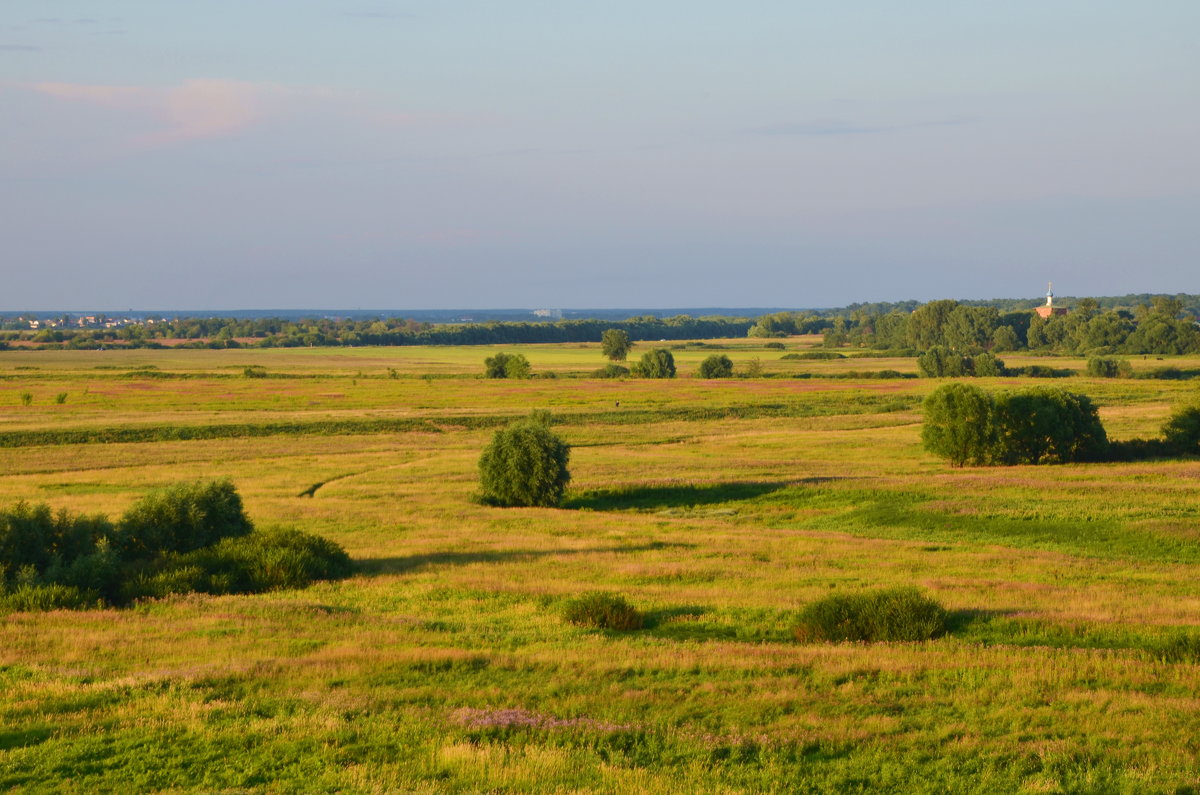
{"points": [[527, 154]]}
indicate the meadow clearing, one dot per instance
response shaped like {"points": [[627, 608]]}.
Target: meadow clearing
{"points": [[719, 507]]}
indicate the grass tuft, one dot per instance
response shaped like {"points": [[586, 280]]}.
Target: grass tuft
{"points": [[603, 611]]}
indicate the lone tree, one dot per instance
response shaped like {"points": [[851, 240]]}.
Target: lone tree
{"points": [[658, 363], [525, 464], [959, 424], [716, 366], [506, 365], [615, 344]]}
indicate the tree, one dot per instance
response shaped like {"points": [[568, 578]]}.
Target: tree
{"points": [[615, 344], [925, 324], [1048, 425], [506, 365], [1004, 338], [959, 424], [658, 363], [940, 362], [716, 366], [525, 464]]}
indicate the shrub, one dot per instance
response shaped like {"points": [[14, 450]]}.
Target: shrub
{"points": [[611, 371], [35, 537], [262, 561], [181, 518], [1102, 367], [26, 398], [1182, 430], [506, 365], [658, 363], [893, 614], [1047, 425], [525, 464], [985, 365], [255, 372], [716, 366], [774, 346], [959, 424], [60, 398], [603, 611]]}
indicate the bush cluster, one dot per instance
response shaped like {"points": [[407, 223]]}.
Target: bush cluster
{"points": [[188, 537], [506, 365], [942, 362], [1040, 425], [892, 614]]}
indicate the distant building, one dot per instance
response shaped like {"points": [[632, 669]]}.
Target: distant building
{"points": [[1050, 309]]}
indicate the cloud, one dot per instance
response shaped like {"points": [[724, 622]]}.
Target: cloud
{"points": [[210, 108], [19, 48], [195, 109]]}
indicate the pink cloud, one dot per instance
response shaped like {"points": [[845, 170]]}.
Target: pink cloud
{"points": [[195, 109]]}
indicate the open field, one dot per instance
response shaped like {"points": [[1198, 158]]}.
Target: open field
{"points": [[719, 507]]}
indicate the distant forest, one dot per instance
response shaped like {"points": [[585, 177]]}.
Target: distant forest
{"points": [[1130, 324]]}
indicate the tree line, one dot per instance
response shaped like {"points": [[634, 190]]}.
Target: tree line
{"points": [[1164, 325], [278, 333]]}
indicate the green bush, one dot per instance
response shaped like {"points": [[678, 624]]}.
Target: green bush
{"points": [[611, 371], [262, 561], [1103, 367], [190, 537], [774, 346], [525, 464], [33, 536], [893, 614], [716, 366], [1182, 430], [959, 424], [181, 518], [506, 365], [985, 365], [255, 371], [603, 611], [658, 363]]}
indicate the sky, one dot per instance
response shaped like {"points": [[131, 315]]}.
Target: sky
{"points": [[472, 153]]}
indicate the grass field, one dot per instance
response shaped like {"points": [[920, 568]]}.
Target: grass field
{"points": [[720, 508]]}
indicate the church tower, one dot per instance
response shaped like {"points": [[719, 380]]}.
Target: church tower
{"points": [[1050, 309]]}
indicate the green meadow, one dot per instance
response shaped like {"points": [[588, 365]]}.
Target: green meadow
{"points": [[719, 508]]}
